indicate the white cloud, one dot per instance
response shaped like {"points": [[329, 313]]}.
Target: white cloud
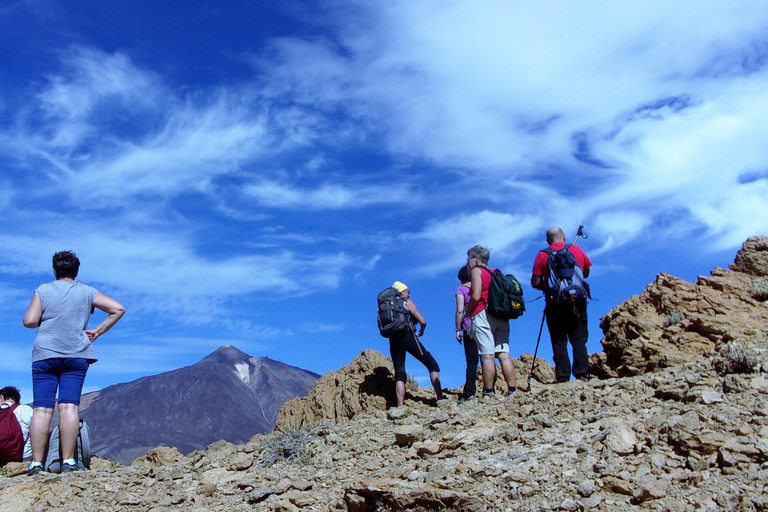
{"points": [[618, 228], [326, 196], [669, 96], [505, 234]]}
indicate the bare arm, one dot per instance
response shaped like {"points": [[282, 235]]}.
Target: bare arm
{"points": [[114, 310], [476, 290], [34, 313], [414, 311], [459, 315], [536, 281]]}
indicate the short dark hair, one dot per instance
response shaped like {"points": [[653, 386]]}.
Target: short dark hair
{"points": [[464, 275], [65, 264], [11, 393]]}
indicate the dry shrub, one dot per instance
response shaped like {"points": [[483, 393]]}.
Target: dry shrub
{"points": [[733, 358], [759, 289]]}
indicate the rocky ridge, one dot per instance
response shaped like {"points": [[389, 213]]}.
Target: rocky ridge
{"points": [[683, 433], [675, 322]]}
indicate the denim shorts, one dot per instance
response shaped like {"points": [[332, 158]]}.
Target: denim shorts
{"points": [[66, 374]]}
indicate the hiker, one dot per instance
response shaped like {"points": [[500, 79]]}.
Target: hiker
{"points": [[62, 352], [566, 319], [10, 399], [490, 333], [463, 322], [408, 341]]}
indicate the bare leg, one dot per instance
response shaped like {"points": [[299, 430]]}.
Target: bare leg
{"points": [[488, 368], [507, 368], [69, 426], [400, 392], [38, 432], [435, 378]]}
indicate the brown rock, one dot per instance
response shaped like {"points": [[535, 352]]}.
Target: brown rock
{"points": [[364, 385], [674, 322], [753, 257]]}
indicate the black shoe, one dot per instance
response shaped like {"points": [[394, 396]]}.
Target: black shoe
{"points": [[464, 399], [35, 470], [584, 378], [68, 468]]}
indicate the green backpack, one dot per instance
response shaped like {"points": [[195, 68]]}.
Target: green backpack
{"points": [[505, 295]]}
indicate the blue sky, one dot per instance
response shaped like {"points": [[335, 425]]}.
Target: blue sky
{"points": [[254, 173]]}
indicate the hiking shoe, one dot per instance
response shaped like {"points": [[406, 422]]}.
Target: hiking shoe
{"points": [[584, 378], [511, 392], [465, 399], [35, 470], [68, 468]]}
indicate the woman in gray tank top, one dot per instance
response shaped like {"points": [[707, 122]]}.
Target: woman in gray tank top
{"points": [[62, 353]]}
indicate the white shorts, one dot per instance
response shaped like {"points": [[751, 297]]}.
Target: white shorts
{"points": [[490, 333]]}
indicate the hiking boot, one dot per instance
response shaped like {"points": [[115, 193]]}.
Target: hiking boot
{"points": [[584, 378], [69, 468], [35, 470], [465, 399], [511, 392]]}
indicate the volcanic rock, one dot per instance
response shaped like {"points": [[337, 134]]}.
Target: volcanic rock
{"points": [[676, 322]]}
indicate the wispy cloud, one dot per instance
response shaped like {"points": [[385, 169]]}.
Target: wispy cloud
{"points": [[509, 89], [325, 196]]}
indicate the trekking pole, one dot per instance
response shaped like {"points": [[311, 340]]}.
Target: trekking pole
{"points": [[536, 351], [580, 234]]}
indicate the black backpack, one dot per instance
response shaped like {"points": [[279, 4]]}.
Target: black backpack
{"points": [[391, 318], [505, 295], [565, 283]]}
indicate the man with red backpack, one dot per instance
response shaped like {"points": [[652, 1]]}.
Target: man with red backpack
{"points": [[14, 427], [559, 271]]}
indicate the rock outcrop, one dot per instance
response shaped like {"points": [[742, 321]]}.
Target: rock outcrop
{"points": [[675, 322], [367, 385], [364, 385]]}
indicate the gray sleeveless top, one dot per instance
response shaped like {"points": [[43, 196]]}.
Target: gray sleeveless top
{"points": [[66, 309]]}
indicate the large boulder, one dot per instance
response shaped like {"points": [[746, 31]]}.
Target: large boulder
{"points": [[364, 385], [675, 322]]}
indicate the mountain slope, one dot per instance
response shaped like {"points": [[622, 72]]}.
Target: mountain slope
{"points": [[228, 395]]}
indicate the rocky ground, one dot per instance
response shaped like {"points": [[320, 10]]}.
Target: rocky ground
{"points": [[682, 439], [666, 435]]}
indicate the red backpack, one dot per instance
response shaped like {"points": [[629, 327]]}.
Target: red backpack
{"points": [[11, 437]]}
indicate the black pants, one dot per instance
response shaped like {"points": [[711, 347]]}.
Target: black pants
{"points": [[399, 345], [470, 353], [565, 325]]}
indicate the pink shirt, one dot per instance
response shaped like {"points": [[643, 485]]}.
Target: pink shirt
{"points": [[486, 283], [464, 291]]}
